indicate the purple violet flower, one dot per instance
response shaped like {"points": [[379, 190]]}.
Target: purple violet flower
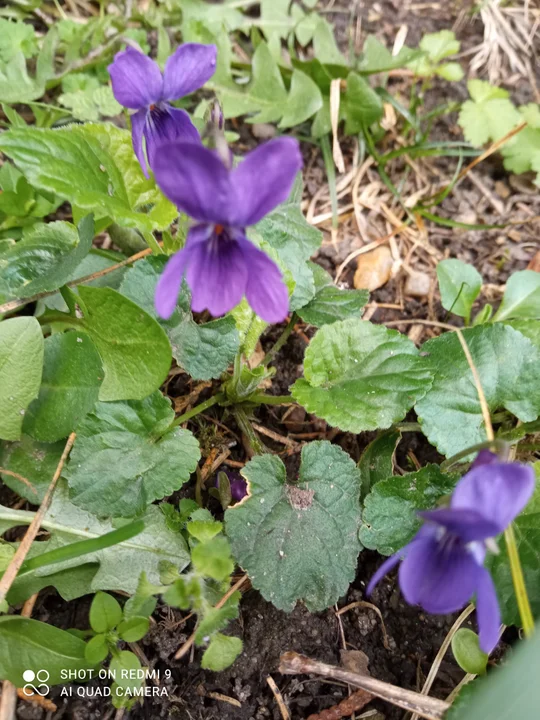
{"points": [[443, 565], [220, 264], [139, 84]]}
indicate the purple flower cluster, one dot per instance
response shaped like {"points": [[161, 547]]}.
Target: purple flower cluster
{"points": [[443, 566], [220, 264]]}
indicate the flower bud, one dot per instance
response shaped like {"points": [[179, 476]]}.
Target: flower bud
{"points": [[216, 115], [237, 484]]}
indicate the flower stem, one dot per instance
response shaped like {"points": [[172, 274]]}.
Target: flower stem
{"points": [[198, 409], [408, 427], [282, 339], [519, 582], [59, 317], [479, 389], [511, 546], [254, 442], [498, 445], [264, 399]]}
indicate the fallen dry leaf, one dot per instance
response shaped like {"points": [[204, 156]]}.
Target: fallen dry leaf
{"points": [[355, 661], [502, 189], [534, 264]]}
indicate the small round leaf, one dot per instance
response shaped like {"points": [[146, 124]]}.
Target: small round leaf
{"points": [[133, 629], [105, 613], [467, 652], [96, 649]]}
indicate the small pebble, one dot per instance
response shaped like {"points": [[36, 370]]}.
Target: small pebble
{"points": [[469, 217], [374, 269], [263, 131], [418, 284]]}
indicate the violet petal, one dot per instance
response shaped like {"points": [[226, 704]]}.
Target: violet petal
{"points": [[264, 179], [194, 179], [167, 124], [468, 525], [385, 568], [487, 611], [136, 79], [484, 457], [138, 120], [169, 284], [216, 275], [439, 577], [238, 488], [266, 291], [188, 69], [499, 491]]}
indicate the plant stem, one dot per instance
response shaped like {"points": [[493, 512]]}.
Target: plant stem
{"points": [[479, 389], [237, 368], [255, 444], [511, 546], [520, 589], [408, 427], [282, 339], [59, 317], [518, 580], [264, 399], [497, 444], [198, 409], [92, 58]]}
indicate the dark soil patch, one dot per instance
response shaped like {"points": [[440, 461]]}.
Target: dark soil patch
{"points": [[412, 642]]}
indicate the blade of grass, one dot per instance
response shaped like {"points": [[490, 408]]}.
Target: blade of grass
{"points": [[439, 197], [447, 222], [435, 149], [402, 110], [83, 547]]}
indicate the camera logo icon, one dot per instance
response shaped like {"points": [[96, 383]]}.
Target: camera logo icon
{"points": [[41, 677]]}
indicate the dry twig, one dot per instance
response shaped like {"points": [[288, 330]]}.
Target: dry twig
{"points": [[292, 663], [13, 305], [279, 698], [22, 479], [224, 698]]}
